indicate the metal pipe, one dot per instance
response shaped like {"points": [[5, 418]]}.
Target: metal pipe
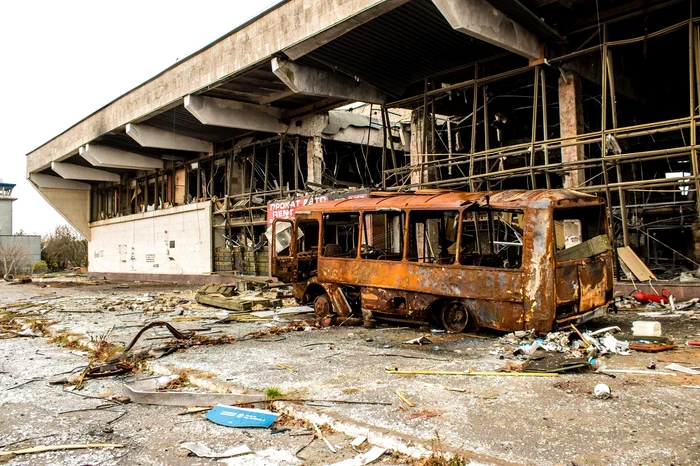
{"points": [[475, 109], [487, 142], [604, 125], [545, 125], [535, 99]]}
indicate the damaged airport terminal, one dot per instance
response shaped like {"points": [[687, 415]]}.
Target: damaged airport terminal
{"points": [[444, 190], [180, 177]]}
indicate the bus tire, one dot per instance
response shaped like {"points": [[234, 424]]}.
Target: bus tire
{"points": [[323, 306], [454, 316]]}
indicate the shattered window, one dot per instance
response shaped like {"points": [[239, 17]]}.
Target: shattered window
{"points": [[341, 233], [382, 236], [432, 236], [492, 238], [307, 236], [578, 225]]}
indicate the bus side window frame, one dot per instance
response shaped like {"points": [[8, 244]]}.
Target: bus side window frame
{"points": [[490, 231], [322, 235]]}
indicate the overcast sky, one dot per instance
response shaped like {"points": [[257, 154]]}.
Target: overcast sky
{"points": [[62, 60]]}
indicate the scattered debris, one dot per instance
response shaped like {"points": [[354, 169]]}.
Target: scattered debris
{"points": [[358, 441], [45, 448], [325, 440], [423, 340], [149, 391], [469, 372], [232, 416], [286, 367], [683, 369], [195, 410], [635, 264], [642, 297], [646, 347], [404, 399], [365, 458], [604, 370], [203, 451], [646, 328], [602, 391]]}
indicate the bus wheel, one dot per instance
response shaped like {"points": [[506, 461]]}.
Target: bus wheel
{"points": [[454, 316], [323, 306]]}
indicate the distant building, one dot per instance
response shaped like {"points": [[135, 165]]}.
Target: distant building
{"points": [[17, 252]]}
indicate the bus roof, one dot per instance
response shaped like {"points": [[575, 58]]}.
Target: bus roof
{"points": [[445, 200]]}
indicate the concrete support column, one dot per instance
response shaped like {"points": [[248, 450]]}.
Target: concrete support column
{"points": [[696, 242], [314, 160], [416, 146], [571, 124]]}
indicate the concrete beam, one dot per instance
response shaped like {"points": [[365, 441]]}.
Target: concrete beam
{"points": [[70, 171], [307, 80], [149, 136], [232, 114], [107, 157], [479, 19], [40, 180], [71, 199]]}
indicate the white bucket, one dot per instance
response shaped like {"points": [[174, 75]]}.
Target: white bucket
{"points": [[646, 328]]}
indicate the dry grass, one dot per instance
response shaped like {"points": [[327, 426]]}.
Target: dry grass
{"points": [[69, 340], [440, 457]]}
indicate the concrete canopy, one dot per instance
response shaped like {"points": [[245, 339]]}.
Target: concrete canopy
{"points": [[148, 136], [231, 114], [478, 18], [71, 171], [313, 81], [289, 25], [103, 156]]}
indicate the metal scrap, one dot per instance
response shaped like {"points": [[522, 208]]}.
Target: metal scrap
{"points": [[148, 391]]}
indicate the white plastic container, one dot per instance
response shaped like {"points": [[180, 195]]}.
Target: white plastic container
{"points": [[646, 328]]}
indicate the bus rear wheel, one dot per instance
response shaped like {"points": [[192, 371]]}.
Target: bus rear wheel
{"points": [[454, 316], [323, 306]]}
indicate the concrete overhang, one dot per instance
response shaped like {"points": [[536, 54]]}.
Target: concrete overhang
{"points": [[107, 157], [294, 26], [480, 19]]}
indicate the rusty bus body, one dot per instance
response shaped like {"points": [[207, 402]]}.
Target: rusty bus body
{"points": [[491, 259]]}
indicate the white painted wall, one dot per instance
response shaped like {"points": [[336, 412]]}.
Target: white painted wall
{"points": [[141, 243]]}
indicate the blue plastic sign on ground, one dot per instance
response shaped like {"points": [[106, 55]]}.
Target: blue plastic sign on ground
{"points": [[231, 416]]}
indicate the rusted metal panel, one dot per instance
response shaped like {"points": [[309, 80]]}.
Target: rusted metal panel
{"points": [[456, 280], [540, 198], [592, 277], [398, 302], [499, 315], [538, 262], [567, 284]]}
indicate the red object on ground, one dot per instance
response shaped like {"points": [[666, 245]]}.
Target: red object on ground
{"points": [[694, 343], [643, 297]]}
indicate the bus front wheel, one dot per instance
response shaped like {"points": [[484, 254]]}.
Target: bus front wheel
{"points": [[454, 316]]}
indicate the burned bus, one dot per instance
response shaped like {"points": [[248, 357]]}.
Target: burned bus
{"points": [[507, 260]]}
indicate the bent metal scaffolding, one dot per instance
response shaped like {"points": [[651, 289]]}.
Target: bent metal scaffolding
{"points": [[594, 161]]}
